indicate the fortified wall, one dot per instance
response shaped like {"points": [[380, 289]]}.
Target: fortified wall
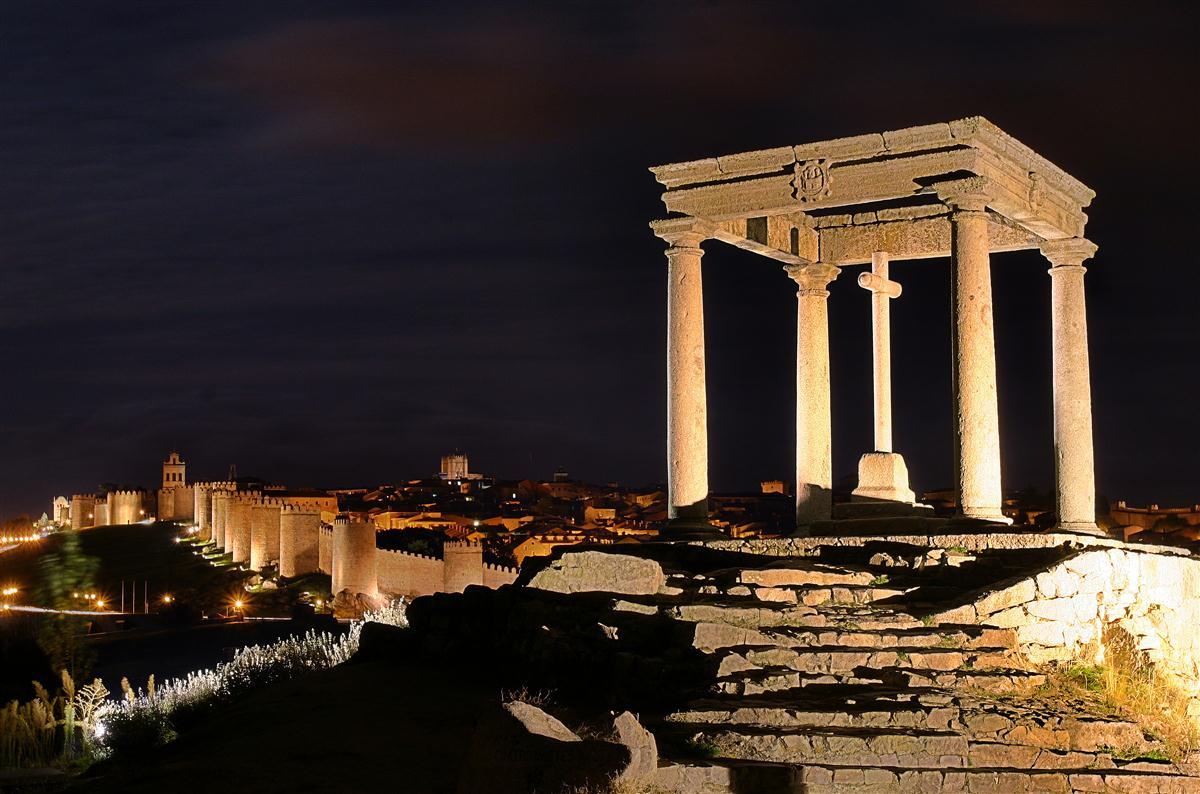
{"points": [[403, 573], [177, 504], [83, 509], [126, 507]]}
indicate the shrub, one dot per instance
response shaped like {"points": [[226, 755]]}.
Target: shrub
{"points": [[151, 718], [1130, 683]]}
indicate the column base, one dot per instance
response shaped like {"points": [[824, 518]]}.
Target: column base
{"points": [[1082, 527], [883, 477], [690, 522], [985, 514]]}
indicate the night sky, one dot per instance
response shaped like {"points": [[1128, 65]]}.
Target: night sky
{"points": [[330, 241]]}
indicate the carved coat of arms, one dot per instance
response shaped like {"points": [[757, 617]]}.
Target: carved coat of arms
{"points": [[811, 180]]}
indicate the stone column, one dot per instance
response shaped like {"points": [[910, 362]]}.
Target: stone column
{"points": [[1074, 470], [814, 464], [687, 405], [973, 350]]}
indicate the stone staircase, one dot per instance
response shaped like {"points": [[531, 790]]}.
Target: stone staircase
{"points": [[827, 669], [815, 674]]}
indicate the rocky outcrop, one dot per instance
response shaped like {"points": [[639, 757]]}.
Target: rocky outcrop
{"points": [[595, 571], [842, 672], [518, 748]]}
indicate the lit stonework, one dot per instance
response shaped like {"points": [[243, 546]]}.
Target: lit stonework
{"points": [[687, 406], [882, 474], [1073, 466], [963, 190], [814, 462]]}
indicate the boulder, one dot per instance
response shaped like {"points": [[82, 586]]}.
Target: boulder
{"points": [[598, 571], [643, 750], [518, 748]]}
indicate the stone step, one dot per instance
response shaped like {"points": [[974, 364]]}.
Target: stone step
{"points": [[727, 777], [761, 679], [746, 616], [838, 660], [818, 779], [714, 636], [810, 595], [904, 747], [992, 721]]}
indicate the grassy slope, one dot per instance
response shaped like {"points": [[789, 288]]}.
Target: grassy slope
{"points": [[375, 726], [138, 552]]}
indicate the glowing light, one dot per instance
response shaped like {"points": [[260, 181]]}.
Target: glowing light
{"points": [[167, 599], [100, 604], [237, 604]]}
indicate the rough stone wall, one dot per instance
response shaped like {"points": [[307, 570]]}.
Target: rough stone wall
{"points": [[299, 539], [83, 508], [185, 501], [325, 549], [264, 532], [166, 504], [202, 509], [100, 514], [220, 518], [463, 565], [354, 564], [498, 575], [237, 530], [404, 574], [1060, 613], [125, 507], [407, 574]]}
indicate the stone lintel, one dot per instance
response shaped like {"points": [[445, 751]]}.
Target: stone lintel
{"points": [[922, 238], [1027, 188], [787, 239], [1072, 251]]}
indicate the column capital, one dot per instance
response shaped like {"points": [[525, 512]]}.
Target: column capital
{"points": [[687, 232], [972, 194], [812, 277], [1068, 252]]}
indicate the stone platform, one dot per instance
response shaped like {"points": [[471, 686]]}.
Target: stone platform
{"points": [[861, 663], [929, 532]]}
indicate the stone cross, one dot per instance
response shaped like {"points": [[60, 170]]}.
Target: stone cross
{"points": [[882, 474], [882, 292]]}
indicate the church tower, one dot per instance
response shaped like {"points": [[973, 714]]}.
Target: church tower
{"points": [[174, 472]]}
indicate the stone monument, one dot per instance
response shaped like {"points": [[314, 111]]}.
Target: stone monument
{"points": [[962, 190]]}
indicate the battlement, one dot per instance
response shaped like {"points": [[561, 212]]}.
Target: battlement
{"points": [[488, 566], [462, 545], [412, 554], [83, 496], [297, 509], [130, 492]]}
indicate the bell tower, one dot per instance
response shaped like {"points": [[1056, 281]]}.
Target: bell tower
{"points": [[174, 472]]}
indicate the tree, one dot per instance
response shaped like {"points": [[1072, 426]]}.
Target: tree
{"points": [[61, 574]]}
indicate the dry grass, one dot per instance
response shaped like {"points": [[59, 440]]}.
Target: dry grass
{"points": [[1130, 684], [50, 730], [534, 697]]}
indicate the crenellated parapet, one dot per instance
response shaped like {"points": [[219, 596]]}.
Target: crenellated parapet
{"points": [[353, 556], [125, 506], [83, 508]]}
